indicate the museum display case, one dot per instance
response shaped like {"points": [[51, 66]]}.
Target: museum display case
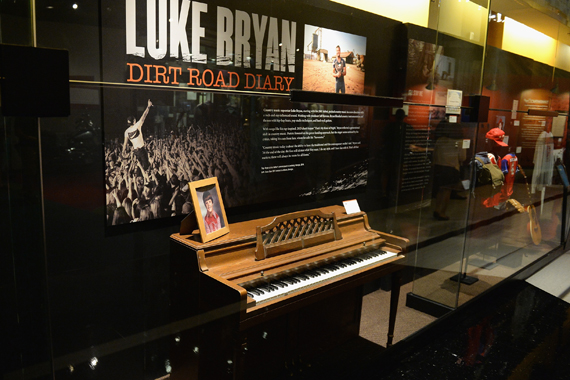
{"points": [[199, 151], [528, 104]]}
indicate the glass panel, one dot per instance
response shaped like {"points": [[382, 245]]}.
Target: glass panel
{"points": [[91, 283], [503, 231], [523, 222], [16, 27], [75, 29], [449, 59], [24, 301], [23, 297], [442, 225]]}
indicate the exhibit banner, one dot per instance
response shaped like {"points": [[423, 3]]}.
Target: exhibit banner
{"points": [[202, 45], [227, 46], [261, 149], [202, 92]]}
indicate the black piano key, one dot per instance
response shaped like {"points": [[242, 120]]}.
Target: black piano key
{"points": [[314, 273]]}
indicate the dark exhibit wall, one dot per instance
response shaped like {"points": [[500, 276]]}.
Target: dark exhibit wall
{"points": [[24, 300], [519, 84], [91, 267]]}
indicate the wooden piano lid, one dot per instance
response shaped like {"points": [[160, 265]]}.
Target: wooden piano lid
{"points": [[244, 231]]}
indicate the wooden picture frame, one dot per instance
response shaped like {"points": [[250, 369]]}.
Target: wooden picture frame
{"points": [[202, 191]]}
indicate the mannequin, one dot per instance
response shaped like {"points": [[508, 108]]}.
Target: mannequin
{"points": [[543, 163], [496, 148]]}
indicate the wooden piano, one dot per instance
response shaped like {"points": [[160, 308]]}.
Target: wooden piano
{"points": [[278, 290]]}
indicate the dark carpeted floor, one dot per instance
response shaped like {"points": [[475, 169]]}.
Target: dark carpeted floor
{"points": [[516, 331]]}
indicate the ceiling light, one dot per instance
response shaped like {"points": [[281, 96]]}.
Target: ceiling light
{"points": [[75, 6]]}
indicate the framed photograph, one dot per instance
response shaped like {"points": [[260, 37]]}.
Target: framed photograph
{"points": [[209, 209]]}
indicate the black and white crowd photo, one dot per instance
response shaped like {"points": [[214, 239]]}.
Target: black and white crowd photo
{"points": [[156, 145]]}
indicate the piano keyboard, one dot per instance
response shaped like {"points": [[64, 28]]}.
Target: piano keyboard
{"points": [[284, 286]]}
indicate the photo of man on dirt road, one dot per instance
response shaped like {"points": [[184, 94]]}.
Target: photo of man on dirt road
{"points": [[344, 51]]}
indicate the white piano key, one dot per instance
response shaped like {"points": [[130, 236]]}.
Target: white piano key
{"points": [[311, 281]]}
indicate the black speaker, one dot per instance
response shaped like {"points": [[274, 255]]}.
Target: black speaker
{"points": [[478, 110], [34, 81]]}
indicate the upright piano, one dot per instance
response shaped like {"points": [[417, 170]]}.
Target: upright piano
{"points": [[274, 292]]}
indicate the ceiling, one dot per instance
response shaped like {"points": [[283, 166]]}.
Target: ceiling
{"points": [[539, 16], [550, 17]]}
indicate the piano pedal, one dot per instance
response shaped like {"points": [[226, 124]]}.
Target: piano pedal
{"points": [[302, 364], [230, 368], [288, 369], [295, 366]]}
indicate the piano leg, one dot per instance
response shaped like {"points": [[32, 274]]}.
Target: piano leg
{"points": [[394, 297], [240, 353]]}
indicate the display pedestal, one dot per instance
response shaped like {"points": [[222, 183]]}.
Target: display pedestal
{"points": [[425, 305], [465, 279]]}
